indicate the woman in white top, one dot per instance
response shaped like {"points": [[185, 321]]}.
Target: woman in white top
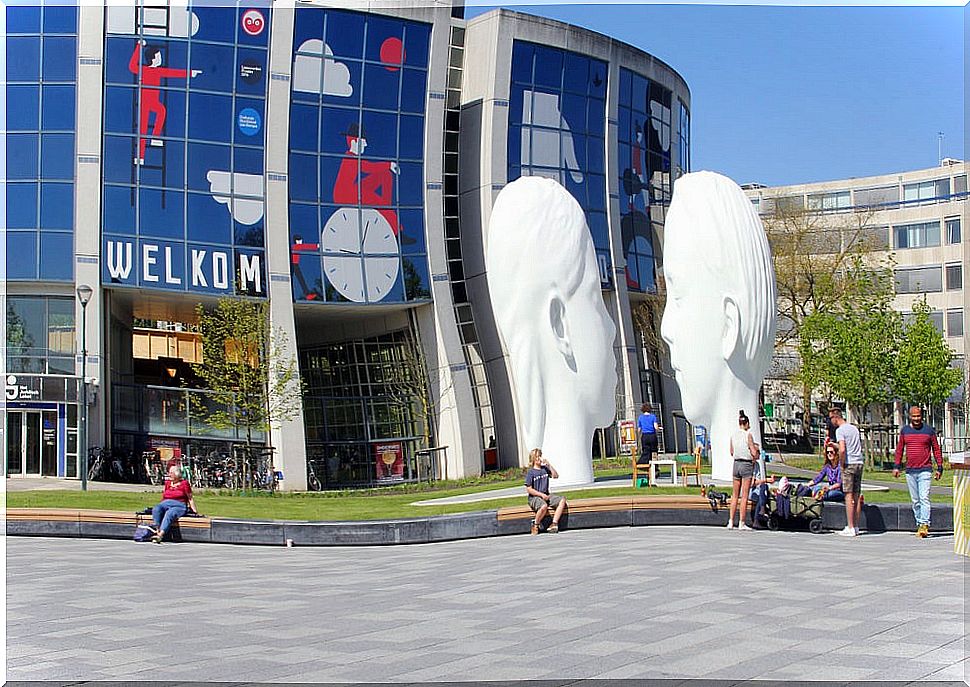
{"points": [[743, 449]]}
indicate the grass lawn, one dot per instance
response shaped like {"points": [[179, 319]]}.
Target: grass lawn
{"points": [[342, 505]]}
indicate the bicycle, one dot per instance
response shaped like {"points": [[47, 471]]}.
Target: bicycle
{"points": [[95, 463]]}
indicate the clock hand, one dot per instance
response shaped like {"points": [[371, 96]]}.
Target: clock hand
{"points": [[363, 240]]}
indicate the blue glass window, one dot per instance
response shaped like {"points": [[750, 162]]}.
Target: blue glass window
{"points": [[60, 59], [23, 58], [210, 117], [21, 207], [23, 108], [58, 111], [164, 166], [21, 19], [160, 214], [119, 109], [119, 210], [56, 205], [57, 156], [365, 130], [215, 23], [56, 255], [208, 220], [203, 158], [215, 62], [23, 244], [60, 19], [251, 72], [22, 156]]}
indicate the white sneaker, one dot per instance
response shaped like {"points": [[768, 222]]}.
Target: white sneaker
{"points": [[847, 532], [743, 526], [730, 526]]}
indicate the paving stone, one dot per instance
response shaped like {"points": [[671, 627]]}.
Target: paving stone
{"points": [[622, 604]]}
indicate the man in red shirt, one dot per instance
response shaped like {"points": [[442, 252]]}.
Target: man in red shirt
{"points": [[176, 501], [919, 442]]}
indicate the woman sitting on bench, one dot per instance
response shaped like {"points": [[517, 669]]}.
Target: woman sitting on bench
{"points": [[176, 501]]}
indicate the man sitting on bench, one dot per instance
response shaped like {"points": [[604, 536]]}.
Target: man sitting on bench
{"points": [[537, 486]]}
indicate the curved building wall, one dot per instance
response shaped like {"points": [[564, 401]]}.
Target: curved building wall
{"points": [[339, 164], [545, 98]]}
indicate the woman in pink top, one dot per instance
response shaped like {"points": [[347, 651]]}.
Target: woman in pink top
{"points": [[176, 500]]}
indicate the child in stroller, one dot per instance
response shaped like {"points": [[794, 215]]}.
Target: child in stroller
{"points": [[793, 511]]}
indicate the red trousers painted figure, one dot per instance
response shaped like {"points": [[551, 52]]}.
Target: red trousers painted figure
{"points": [[149, 95]]}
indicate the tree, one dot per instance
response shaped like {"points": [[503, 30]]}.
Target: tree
{"points": [[922, 372], [850, 349], [253, 382], [820, 262]]}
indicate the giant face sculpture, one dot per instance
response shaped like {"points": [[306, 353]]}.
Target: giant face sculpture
{"points": [[720, 316], [545, 291]]}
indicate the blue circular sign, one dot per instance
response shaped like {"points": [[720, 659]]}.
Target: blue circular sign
{"points": [[249, 121]]}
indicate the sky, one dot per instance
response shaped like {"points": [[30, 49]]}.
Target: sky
{"points": [[788, 95]]}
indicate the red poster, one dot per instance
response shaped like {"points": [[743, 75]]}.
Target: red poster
{"points": [[389, 461]]}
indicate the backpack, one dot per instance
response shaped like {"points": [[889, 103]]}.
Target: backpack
{"points": [[144, 533]]}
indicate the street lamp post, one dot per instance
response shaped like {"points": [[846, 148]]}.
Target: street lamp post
{"points": [[84, 295]]}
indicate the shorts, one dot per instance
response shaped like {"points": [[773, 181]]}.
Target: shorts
{"points": [[743, 469], [852, 478], [535, 503]]}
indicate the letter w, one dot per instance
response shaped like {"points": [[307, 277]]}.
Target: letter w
{"points": [[119, 265]]}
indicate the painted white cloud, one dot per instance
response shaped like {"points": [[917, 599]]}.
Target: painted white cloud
{"points": [[243, 210], [548, 148], [307, 71], [178, 21]]}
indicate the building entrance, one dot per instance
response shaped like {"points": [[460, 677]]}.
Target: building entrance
{"points": [[32, 443]]}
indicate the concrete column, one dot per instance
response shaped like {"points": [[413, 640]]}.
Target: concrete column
{"points": [[87, 215], [289, 439]]}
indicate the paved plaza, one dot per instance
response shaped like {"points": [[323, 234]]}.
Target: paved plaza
{"points": [[647, 602]]}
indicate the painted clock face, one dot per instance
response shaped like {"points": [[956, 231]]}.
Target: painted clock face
{"points": [[363, 260]]}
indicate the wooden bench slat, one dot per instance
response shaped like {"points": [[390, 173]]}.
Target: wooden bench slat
{"points": [[94, 516]]}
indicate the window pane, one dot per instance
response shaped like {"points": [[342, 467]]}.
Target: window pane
{"points": [[26, 326], [60, 57], [56, 256], [59, 106], [60, 325], [23, 244], [23, 103], [56, 206], [953, 230], [960, 184], [57, 156], [21, 156], [23, 19], [60, 19], [23, 59], [954, 277], [21, 206], [954, 322]]}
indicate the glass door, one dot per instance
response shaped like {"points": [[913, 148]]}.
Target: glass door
{"points": [[48, 443], [32, 444], [15, 443]]}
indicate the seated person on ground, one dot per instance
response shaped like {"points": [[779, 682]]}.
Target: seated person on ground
{"points": [[537, 486], [827, 484], [176, 501], [759, 491]]}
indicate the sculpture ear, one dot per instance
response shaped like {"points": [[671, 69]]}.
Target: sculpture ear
{"points": [[559, 327], [731, 332]]}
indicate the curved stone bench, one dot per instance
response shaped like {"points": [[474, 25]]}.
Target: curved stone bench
{"points": [[620, 511]]}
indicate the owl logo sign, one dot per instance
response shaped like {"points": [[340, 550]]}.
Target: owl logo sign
{"points": [[253, 22]]}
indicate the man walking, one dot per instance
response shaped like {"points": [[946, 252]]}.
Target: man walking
{"points": [[918, 440], [850, 455], [649, 425]]}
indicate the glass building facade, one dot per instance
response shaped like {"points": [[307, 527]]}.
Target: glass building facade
{"points": [[191, 165]]}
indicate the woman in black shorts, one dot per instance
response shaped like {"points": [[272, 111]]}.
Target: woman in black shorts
{"points": [[743, 449]]}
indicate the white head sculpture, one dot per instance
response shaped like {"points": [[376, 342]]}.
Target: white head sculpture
{"points": [[720, 316], [545, 290]]}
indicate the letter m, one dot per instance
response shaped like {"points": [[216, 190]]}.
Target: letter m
{"points": [[249, 273], [119, 260]]}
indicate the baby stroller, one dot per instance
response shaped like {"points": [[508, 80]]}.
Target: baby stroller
{"points": [[804, 510]]}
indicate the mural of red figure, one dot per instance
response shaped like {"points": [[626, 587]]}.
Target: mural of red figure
{"points": [[152, 74], [366, 181]]}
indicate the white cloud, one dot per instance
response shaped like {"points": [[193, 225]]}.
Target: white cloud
{"points": [[243, 210], [307, 71], [178, 21]]}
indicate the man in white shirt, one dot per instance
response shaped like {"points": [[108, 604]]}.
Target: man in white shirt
{"points": [[850, 454]]}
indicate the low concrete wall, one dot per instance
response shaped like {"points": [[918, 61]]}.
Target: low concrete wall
{"points": [[883, 517]]}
